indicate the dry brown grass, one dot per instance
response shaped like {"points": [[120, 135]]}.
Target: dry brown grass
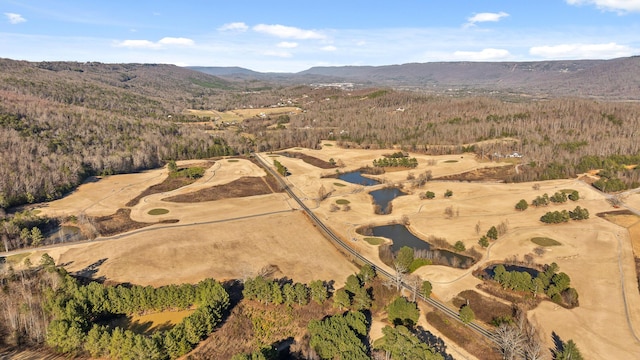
{"points": [[483, 174], [117, 223], [463, 336], [170, 183], [252, 325], [485, 308], [311, 160], [243, 187]]}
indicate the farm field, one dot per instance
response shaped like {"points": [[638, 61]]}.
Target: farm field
{"points": [[236, 238]]}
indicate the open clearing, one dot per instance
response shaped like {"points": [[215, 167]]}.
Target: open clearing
{"points": [[235, 238], [238, 115]]}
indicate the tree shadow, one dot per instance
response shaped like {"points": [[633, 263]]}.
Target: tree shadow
{"points": [[434, 342], [557, 343], [89, 271]]}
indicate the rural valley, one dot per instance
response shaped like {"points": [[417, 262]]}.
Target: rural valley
{"points": [[154, 211]]}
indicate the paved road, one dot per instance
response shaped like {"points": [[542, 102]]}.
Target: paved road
{"points": [[336, 240]]}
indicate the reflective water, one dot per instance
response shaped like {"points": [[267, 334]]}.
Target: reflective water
{"points": [[355, 177]]}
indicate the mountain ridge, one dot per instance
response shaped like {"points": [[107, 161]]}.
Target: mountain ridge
{"points": [[617, 78]]}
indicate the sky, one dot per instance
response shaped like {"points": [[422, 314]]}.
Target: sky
{"points": [[291, 36]]}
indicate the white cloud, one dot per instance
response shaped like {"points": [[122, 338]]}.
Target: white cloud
{"points": [[483, 55], [234, 26], [15, 18], [485, 17], [288, 32], [143, 44], [176, 41], [287, 45], [146, 44], [582, 51], [620, 6], [329, 48]]}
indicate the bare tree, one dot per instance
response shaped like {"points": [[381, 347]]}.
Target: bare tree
{"points": [[539, 251], [448, 211], [503, 227], [399, 275], [414, 283], [509, 340]]}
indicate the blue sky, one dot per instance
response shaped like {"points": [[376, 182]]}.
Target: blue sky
{"points": [[291, 36]]}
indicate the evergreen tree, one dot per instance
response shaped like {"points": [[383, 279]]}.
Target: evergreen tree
{"points": [[403, 312], [318, 291], [466, 314]]}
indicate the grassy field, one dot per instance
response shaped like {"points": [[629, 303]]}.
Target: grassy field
{"points": [[545, 241], [229, 238], [158, 211], [149, 323], [374, 240]]}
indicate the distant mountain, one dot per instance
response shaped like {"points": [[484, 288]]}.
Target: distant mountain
{"points": [[224, 70], [612, 79]]}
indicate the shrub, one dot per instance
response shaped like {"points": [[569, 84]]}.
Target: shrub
{"points": [[522, 205], [416, 263], [574, 196]]}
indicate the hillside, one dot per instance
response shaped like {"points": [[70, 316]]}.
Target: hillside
{"points": [[610, 79], [61, 122]]}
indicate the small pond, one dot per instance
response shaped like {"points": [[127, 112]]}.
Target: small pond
{"points": [[383, 198], [532, 272], [355, 177], [401, 236]]}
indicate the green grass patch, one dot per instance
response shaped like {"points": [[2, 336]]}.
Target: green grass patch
{"points": [[158, 211], [416, 263], [274, 155], [17, 259], [343, 202], [195, 172], [567, 191], [327, 144], [233, 160], [339, 184], [374, 240], [377, 93], [545, 241], [451, 161]]}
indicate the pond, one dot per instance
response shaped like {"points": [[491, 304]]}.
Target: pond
{"points": [[532, 272], [355, 177], [382, 199], [401, 236]]}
